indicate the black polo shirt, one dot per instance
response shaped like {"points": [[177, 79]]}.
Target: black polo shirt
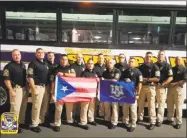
{"points": [[165, 71], [38, 70], [89, 74], [121, 67], [79, 68], [51, 68], [99, 69], [62, 69], [16, 73], [113, 74], [150, 70], [132, 74], [179, 73]]}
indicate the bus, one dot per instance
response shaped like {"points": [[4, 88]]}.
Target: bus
{"points": [[90, 28]]}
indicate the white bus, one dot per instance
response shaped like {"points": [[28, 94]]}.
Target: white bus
{"points": [[90, 28]]}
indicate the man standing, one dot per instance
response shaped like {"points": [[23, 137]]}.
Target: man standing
{"points": [[175, 96], [88, 108], [65, 70], [51, 64], [151, 75], [79, 67], [122, 65], [113, 74], [38, 80], [166, 76], [99, 68], [14, 74], [132, 74]]}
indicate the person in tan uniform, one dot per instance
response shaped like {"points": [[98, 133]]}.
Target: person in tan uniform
{"points": [[175, 96], [88, 108], [51, 109], [14, 75], [63, 69], [166, 76], [131, 74], [99, 68], [38, 81], [151, 75], [79, 67], [113, 74]]}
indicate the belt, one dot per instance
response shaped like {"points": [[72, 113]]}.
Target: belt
{"points": [[149, 84], [41, 84], [17, 86]]}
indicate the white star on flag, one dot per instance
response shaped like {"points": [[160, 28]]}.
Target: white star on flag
{"points": [[64, 88]]}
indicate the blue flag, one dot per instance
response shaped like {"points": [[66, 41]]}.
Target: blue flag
{"points": [[119, 91]]}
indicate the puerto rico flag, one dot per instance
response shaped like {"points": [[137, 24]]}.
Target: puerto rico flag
{"points": [[70, 89]]}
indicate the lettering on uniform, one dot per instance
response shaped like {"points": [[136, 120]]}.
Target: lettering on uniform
{"points": [[117, 92], [30, 71], [6, 72]]}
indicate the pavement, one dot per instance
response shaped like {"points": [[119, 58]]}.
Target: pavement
{"points": [[102, 131]]}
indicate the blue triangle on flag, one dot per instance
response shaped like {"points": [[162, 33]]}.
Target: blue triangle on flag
{"points": [[64, 88]]}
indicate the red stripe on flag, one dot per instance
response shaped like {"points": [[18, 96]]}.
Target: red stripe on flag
{"points": [[86, 90], [79, 79], [74, 99]]}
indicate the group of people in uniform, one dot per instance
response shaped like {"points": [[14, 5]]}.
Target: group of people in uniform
{"points": [[151, 80]]}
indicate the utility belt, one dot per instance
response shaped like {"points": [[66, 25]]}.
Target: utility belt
{"points": [[148, 84], [17, 86], [41, 84]]}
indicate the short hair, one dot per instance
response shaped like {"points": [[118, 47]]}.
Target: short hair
{"points": [[100, 54], [38, 49], [90, 59], [148, 53], [178, 57], [161, 51], [122, 54], [15, 50], [63, 55], [50, 52], [132, 58]]}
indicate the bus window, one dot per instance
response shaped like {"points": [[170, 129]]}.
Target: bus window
{"points": [[180, 29], [86, 27], [0, 29], [32, 26], [144, 27]]}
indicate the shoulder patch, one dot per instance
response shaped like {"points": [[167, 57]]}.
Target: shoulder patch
{"points": [[140, 78], [30, 71], [117, 75], [72, 70], [170, 72], [157, 73], [6, 72]]}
